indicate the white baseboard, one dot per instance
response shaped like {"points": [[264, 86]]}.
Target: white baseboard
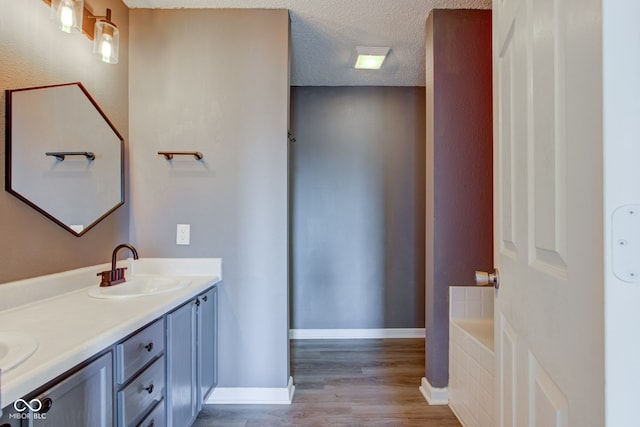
{"points": [[434, 396], [320, 334], [253, 395]]}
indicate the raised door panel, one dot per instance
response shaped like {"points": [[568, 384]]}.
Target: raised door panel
{"points": [[181, 383], [548, 213], [83, 399], [207, 343]]}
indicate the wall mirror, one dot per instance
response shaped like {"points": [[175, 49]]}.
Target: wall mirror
{"points": [[63, 155]]}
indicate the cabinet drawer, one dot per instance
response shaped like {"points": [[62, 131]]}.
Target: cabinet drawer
{"points": [[141, 394], [156, 418], [138, 350]]}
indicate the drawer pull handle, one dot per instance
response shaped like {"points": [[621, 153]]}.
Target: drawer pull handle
{"points": [[149, 346], [198, 302], [150, 388], [205, 298], [151, 424]]}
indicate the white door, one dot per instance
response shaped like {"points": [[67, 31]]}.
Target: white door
{"points": [[548, 212]]}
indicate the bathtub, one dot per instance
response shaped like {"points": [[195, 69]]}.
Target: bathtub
{"points": [[471, 367]]}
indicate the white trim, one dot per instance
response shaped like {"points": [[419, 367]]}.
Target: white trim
{"points": [[321, 334], [455, 412], [434, 396], [253, 395]]}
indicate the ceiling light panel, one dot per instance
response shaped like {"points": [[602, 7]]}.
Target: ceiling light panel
{"points": [[370, 58]]}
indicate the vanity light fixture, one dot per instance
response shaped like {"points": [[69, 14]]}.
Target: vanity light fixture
{"points": [[106, 39], [73, 15], [67, 14], [370, 58]]}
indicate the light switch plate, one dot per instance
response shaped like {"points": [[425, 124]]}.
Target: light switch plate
{"points": [[183, 234]]}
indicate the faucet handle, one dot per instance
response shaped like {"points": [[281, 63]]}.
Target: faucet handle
{"points": [[112, 277], [105, 279]]}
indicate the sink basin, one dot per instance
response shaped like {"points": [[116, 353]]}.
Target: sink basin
{"points": [[15, 348], [139, 286]]}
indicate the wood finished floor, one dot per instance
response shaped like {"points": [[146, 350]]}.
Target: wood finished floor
{"points": [[345, 383]]}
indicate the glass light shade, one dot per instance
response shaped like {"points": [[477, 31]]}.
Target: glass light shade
{"points": [[106, 41], [67, 14]]}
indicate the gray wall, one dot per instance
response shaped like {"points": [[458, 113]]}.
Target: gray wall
{"points": [[216, 81], [459, 189], [33, 52], [358, 207]]}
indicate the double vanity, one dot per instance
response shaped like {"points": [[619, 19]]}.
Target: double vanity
{"points": [[139, 353]]}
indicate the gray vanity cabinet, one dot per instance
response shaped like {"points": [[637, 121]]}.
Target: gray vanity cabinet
{"points": [[190, 352], [158, 376], [208, 343], [156, 418], [85, 398], [10, 418], [182, 406]]}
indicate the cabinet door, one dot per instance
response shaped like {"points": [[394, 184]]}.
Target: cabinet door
{"points": [[182, 393], [207, 344], [10, 417], [83, 399]]}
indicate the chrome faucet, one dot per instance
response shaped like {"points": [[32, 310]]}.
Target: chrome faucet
{"points": [[116, 275]]}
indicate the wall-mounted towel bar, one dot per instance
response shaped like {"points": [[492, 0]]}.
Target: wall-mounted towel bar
{"points": [[60, 155], [169, 154]]}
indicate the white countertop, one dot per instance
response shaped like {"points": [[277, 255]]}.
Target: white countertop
{"points": [[71, 326]]}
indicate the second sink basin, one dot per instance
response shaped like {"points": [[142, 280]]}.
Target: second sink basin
{"points": [[139, 286], [15, 348]]}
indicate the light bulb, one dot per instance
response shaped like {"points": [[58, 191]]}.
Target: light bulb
{"points": [[106, 40], [369, 61], [66, 16], [106, 47]]}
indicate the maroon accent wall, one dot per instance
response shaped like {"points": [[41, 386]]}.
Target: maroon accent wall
{"points": [[459, 227]]}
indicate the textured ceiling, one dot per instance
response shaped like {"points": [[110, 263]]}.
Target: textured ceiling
{"points": [[325, 33]]}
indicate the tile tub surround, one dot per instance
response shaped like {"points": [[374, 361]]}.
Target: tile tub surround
{"points": [[471, 302], [471, 357], [71, 327]]}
